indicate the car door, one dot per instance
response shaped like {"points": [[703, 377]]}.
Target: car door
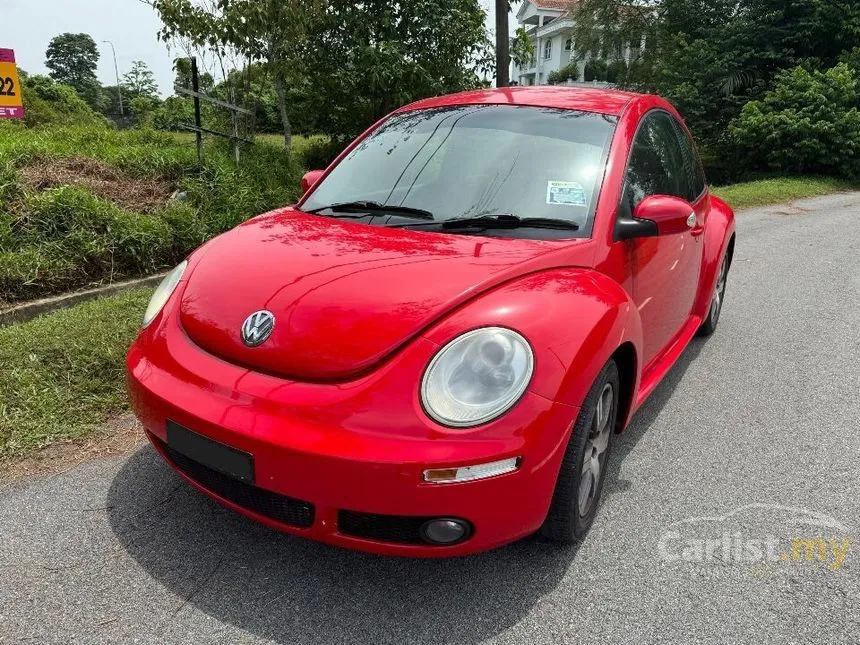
{"points": [[666, 268]]}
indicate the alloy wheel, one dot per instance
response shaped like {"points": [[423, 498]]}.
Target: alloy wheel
{"points": [[595, 449], [719, 292]]}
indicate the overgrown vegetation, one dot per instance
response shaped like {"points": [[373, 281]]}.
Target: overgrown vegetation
{"points": [[60, 386], [347, 64], [761, 63], [809, 122], [60, 237], [47, 101]]}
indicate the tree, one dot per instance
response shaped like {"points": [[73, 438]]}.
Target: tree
{"points": [[359, 61], [274, 31], [182, 78], [72, 60], [710, 57], [143, 108], [367, 59], [139, 81], [522, 48], [110, 101]]}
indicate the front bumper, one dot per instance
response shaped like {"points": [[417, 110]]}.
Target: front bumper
{"points": [[358, 447]]}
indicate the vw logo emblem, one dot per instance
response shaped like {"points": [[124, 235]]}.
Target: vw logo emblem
{"points": [[258, 327]]}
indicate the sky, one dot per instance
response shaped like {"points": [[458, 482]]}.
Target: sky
{"points": [[29, 26]]}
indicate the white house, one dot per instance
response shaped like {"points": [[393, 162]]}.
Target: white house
{"points": [[551, 28]]}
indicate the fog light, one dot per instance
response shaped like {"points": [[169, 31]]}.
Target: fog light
{"points": [[445, 531], [471, 473]]}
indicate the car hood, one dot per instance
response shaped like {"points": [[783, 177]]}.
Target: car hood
{"points": [[344, 295]]}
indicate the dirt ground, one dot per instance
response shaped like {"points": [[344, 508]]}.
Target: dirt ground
{"points": [[138, 195], [119, 436]]}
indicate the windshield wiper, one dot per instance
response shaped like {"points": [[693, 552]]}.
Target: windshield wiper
{"points": [[366, 206], [497, 221]]}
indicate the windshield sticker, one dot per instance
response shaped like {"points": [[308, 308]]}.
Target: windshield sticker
{"points": [[565, 193]]}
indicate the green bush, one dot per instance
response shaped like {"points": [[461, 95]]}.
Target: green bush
{"points": [[616, 71], [142, 109], [569, 72], [173, 112], [595, 70], [319, 152], [46, 101], [808, 123]]}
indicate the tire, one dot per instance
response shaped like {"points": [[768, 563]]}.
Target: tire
{"points": [[569, 518], [717, 299]]}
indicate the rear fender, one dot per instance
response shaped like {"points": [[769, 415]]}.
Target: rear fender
{"points": [[719, 229], [575, 319]]}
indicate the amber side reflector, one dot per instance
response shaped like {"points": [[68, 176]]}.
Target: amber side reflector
{"points": [[471, 473]]}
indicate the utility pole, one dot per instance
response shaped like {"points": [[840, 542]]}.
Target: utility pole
{"points": [[198, 122], [116, 72], [503, 54]]}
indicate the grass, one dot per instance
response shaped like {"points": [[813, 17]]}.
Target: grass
{"points": [[63, 373], [300, 141], [771, 191], [60, 237]]}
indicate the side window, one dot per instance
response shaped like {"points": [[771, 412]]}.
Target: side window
{"points": [[692, 162], [656, 165]]}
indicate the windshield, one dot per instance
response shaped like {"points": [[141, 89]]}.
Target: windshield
{"points": [[477, 160]]}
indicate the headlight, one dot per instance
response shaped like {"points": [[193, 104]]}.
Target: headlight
{"points": [[163, 292], [476, 377]]}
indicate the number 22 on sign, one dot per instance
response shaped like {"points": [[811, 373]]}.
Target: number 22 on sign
{"points": [[11, 104]]}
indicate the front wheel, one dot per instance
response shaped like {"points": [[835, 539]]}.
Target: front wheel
{"points": [[583, 469], [710, 325]]}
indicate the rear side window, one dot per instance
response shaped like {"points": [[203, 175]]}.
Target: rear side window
{"points": [[657, 163], [692, 162]]}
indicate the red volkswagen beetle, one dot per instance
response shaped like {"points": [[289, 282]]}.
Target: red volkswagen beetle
{"points": [[431, 352]]}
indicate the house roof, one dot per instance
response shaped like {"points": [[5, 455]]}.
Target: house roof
{"points": [[586, 99], [559, 5], [546, 5]]}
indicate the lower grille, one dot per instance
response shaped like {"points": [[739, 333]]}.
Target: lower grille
{"points": [[402, 529], [281, 508]]}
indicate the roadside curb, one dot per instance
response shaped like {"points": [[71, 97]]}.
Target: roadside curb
{"points": [[30, 310]]}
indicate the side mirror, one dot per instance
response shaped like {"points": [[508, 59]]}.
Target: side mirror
{"points": [[309, 179], [657, 215]]}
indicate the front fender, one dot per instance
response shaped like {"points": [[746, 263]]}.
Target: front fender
{"points": [[719, 230], [575, 320]]}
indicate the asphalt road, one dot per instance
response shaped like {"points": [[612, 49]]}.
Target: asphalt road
{"points": [[764, 413]]}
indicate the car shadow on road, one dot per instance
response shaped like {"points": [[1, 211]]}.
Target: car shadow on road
{"points": [[290, 590]]}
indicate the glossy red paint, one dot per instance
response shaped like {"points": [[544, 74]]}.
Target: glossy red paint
{"points": [[672, 215], [330, 326], [600, 101], [330, 405], [309, 179]]}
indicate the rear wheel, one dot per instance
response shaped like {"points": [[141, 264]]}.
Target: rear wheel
{"points": [[583, 469], [717, 297]]}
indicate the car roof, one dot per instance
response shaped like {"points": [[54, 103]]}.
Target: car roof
{"points": [[586, 99]]}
